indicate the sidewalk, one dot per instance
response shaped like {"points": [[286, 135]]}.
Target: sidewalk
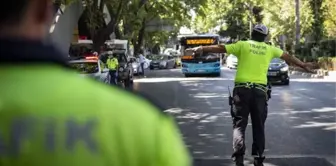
{"points": [[308, 75], [331, 75]]}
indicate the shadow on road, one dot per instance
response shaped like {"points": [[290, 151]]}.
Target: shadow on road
{"points": [[299, 161], [299, 120]]}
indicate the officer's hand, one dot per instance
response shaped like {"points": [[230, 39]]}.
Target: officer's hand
{"points": [[197, 50], [308, 67]]}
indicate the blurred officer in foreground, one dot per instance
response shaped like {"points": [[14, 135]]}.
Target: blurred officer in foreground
{"points": [[112, 64], [250, 92], [51, 116]]}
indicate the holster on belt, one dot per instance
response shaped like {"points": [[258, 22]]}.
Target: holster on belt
{"points": [[230, 97], [269, 91], [230, 100]]}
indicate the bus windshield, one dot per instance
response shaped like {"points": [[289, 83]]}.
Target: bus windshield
{"points": [[195, 41], [192, 46]]}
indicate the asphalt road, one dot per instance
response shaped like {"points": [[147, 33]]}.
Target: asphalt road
{"points": [[300, 129]]}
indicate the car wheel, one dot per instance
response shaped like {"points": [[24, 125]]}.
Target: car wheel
{"points": [[151, 68], [128, 84], [217, 74], [187, 75], [121, 84], [286, 82]]}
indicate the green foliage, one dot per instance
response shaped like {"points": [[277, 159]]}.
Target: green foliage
{"points": [[327, 63], [95, 17], [232, 16], [328, 47], [137, 14], [318, 19], [329, 7]]}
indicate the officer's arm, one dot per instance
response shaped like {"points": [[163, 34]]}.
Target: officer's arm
{"points": [[170, 147], [292, 60], [214, 49]]}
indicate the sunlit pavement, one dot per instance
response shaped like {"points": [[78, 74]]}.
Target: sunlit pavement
{"points": [[300, 128]]}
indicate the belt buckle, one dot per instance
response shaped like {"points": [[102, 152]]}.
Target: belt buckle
{"points": [[249, 84]]}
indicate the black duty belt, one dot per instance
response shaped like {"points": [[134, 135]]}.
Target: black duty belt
{"points": [[251, 85]]}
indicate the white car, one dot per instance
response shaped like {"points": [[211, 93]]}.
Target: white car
{"points": [[90, 67], [232, 61]]}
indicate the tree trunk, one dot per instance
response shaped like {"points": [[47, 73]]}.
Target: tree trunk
{"points": [[297, 23], [139, 42], [101, 5], [251, 19], [118, 33], [156, 49], [104, 33]]}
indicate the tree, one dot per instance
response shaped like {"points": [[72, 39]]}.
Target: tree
{"points": [[133, 25], [129, 18], [94, 16], [297, 23], [318, 19], [281, 16], [115, 8], [235, 17], [329, 7]]}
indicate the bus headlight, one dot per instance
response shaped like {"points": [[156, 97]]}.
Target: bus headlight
{"points": [[284, 69]]}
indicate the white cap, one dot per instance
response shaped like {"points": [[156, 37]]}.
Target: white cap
{"points": [[261, 29], [95, 53], [109, 52]]}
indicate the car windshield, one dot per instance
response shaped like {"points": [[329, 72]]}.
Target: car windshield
{"points": [[85, 67], [150, 56], [121, 57], [208, 55], [193, 46], [80, 49], [277, 60], [158, 57]]}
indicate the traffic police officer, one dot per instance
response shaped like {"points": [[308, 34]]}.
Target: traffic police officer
{"points": [[50, 116], [112, 65], [250, 92]]}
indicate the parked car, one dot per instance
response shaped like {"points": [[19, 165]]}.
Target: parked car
{"points": [[278, 72], [162, 62], [90, 67], [232, 61]]}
